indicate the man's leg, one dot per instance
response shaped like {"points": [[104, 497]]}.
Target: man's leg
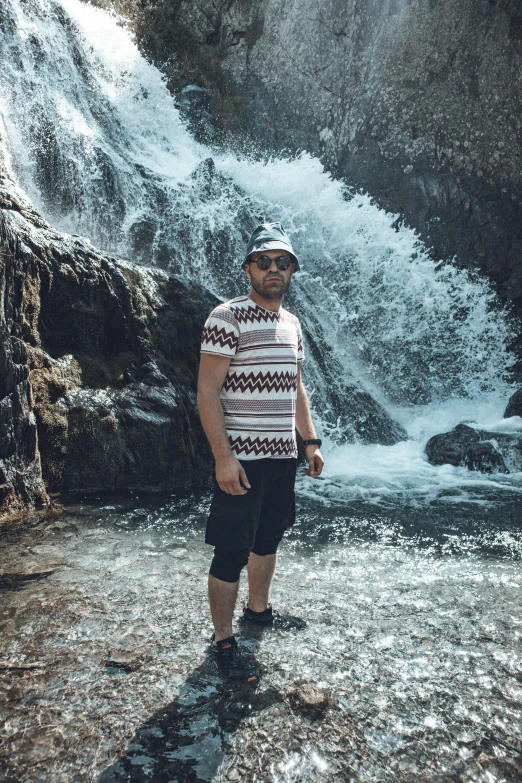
{"points": [[223, 584], [232, 522], [277, 514], [261, 569], [222, 597]]}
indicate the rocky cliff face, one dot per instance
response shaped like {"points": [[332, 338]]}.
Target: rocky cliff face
{"points": [[417, 102], [98, 363], [20, 470]]}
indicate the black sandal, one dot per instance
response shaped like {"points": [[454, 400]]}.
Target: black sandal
{"points": [[232, 662], [273, 619]]}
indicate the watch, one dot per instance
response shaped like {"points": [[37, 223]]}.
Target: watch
{"points": [[313, 442]]}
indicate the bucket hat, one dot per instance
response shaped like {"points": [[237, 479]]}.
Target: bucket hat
{"points": [[270, 236]]}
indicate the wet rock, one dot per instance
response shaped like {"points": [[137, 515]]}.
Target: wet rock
{"points": [[365, 419], [514, 406], [133, 423], [487, 452], [98, 367], [21, 481], [349, 412], [128, 660], [309, 698]]}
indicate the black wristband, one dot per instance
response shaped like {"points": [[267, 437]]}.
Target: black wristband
{"points": [[313, 442]]}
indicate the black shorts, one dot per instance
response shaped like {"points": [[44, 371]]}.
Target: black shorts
{"points": [[263, 513]]}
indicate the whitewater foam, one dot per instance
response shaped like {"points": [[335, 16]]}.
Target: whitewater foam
{"points": [[386, 475]]}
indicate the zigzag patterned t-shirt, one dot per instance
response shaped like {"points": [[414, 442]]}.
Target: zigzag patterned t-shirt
{"points": [[260, 388]]}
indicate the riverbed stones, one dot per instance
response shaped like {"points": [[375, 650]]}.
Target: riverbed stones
{"points": [[487, 452]]}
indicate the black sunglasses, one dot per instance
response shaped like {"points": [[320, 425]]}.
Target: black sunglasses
{"points": [[281, 262]]}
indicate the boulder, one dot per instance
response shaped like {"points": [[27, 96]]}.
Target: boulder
{"points": [[362, 418], [115, 393], [487, 452], [514, 406]]}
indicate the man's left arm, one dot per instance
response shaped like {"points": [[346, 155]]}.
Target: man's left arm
{"points": [[306, 429]]}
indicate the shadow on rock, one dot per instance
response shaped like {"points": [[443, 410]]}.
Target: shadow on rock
{"points": [[187, 739]]}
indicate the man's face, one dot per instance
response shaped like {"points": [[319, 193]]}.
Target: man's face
{"points": [[272, 283]]}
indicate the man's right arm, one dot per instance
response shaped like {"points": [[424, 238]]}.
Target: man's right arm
{"points": [[230, 474]]}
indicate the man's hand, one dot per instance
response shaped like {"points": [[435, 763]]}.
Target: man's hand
{"points": [[315, 461], [230, 476]]}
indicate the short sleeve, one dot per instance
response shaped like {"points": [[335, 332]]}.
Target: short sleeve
{"points": [[300, 344], [220, 333]]}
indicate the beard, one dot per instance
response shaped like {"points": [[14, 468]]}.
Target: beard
{"points": [[271, 290]]}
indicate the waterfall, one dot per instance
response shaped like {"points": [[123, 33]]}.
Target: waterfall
{"points": [[97, 143]]}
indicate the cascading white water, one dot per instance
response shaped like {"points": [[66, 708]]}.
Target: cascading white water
{"points": [[98, 144]]}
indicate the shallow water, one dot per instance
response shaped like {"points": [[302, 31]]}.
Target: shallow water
{"points": [[414, 633]]}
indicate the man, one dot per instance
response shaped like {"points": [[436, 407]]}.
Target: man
{"points": [[251, 398]]}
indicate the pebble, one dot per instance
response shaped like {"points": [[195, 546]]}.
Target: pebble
{"points": [[129, 661], [309, 697]]}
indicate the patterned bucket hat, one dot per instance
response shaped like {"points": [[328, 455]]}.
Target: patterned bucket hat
{"points": [[270, 236]]}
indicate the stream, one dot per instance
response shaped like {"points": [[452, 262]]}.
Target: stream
{"points": [[412, 650]]}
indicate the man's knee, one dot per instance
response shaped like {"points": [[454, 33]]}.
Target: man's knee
{"points": [[266, 546], [228, 564]]}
